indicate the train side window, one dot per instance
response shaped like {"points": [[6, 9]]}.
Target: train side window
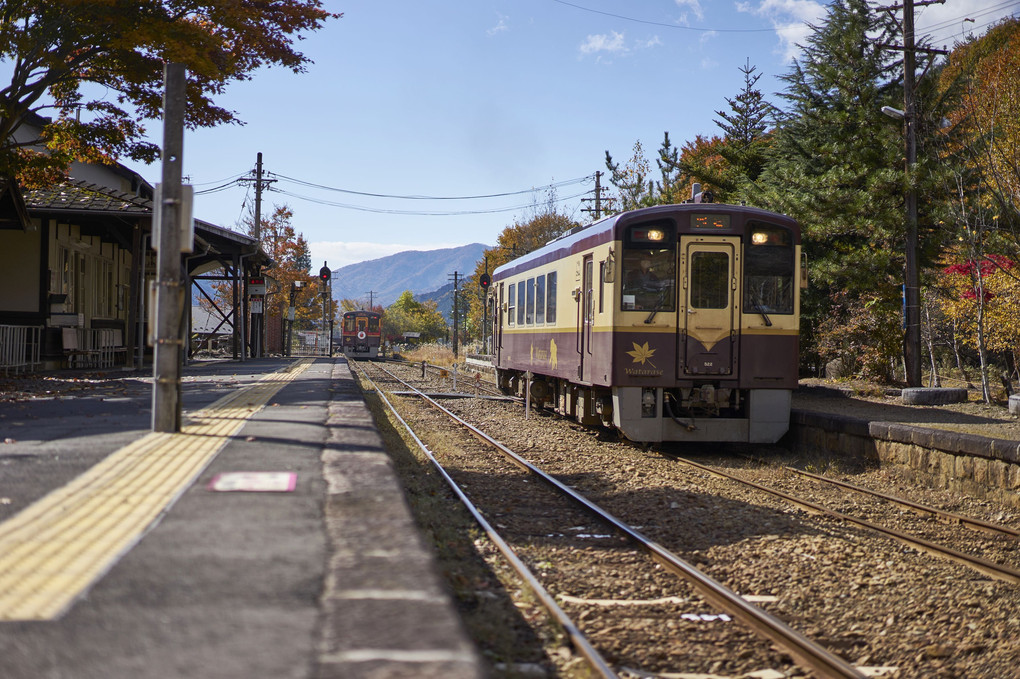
{"points": [[602, 285], [511, 304], [550, 300], [520, 303], [710, 280], [529, 315], [768, 269], [540, 300]]}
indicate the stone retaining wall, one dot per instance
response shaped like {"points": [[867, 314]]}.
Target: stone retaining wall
{"points": [[965, 463]]}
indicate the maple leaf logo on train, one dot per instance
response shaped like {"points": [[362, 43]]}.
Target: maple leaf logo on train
{"points": [[642, 353]]}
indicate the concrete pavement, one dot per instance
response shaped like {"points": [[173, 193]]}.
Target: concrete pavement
{"points": [[237, 578]]}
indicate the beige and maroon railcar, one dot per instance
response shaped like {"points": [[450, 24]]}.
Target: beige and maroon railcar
{"points": [[670, 323]]}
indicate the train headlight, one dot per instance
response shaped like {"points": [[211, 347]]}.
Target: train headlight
{"points": [[656, 235], [649, 399], [759, 238]]}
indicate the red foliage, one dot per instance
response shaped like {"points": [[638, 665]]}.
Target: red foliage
{"points": [[987, 267]]}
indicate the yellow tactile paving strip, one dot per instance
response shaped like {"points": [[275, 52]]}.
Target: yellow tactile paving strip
{"points": [[54, 549]]}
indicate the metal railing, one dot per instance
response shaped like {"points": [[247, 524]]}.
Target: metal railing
{"points": [[19, 347], [310, 343]]}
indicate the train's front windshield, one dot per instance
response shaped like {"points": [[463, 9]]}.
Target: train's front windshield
{"points": [[768, 269], [649, 277]]}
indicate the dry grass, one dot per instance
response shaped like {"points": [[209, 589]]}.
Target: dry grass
{"points": [[434, 354]]}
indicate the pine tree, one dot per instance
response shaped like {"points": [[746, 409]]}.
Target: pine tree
{"points": [[745, 128], [837, 166]]}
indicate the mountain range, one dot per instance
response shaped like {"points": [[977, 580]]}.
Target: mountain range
{"points": [[381, 281]]}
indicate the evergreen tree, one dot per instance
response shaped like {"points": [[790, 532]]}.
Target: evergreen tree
{"points": [[725, 165], [631, 181], [837, 165], [745, 128]]}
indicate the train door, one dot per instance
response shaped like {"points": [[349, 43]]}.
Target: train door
{"points": [[708, 274], [586, 317]]}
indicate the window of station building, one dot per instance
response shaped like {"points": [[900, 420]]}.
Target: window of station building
{"points": [[540, 299], [520, 303], [648, 268], [511, 306], [769, 263], [710, 280], [550, 298]]}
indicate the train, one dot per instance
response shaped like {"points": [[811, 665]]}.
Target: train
{"points": [[673, 323], [361, 334]]}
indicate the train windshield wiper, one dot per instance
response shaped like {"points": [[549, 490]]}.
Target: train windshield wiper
{"points": [[760, 308]]}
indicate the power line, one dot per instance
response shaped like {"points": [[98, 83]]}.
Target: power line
{"points": [[547, 187], [417, 213], [216, 189], [950, 28], [666, 25]]}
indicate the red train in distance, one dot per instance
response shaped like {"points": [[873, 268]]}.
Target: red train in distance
{"points": [[361, 334]]}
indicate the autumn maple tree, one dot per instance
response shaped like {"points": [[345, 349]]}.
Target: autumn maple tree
{"points": [[96, 68]]}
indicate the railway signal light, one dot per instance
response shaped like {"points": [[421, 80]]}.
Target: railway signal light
{"points": [[324, 274], [484, 281]]}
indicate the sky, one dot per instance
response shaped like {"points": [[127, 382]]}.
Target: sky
{"points": [[425, 125]]}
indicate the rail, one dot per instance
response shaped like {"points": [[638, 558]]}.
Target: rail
{"points": [[805, 652], [577, 638], [990, 568], [19, 347]]}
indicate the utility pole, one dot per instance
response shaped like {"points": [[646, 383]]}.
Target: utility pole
{"points": [[912, 290], [456, 314], [258, 320], [325, 277], [371, 299], [911, 274], [485, 281], [169, 298], [596, 212]]}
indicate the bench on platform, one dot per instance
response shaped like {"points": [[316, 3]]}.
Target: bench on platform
{"points": [[78, 349]]}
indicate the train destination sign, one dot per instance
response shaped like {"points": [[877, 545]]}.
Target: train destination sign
{"points": [[701, 220]]}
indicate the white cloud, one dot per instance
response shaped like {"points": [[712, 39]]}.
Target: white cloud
{"points": [[692, 5], [604, 43], [650, 43], [341, 253], [790, 18], [500, 27]]}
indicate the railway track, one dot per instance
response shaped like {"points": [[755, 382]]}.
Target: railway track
{"points": [[1008, 535], [874, 603], [807, 654]]}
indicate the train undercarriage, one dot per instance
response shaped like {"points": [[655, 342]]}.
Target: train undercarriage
{"points": [[706, 411]]}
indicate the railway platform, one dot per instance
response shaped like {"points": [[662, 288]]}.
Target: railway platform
{"points": [[969, 447], [269, 538]]}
